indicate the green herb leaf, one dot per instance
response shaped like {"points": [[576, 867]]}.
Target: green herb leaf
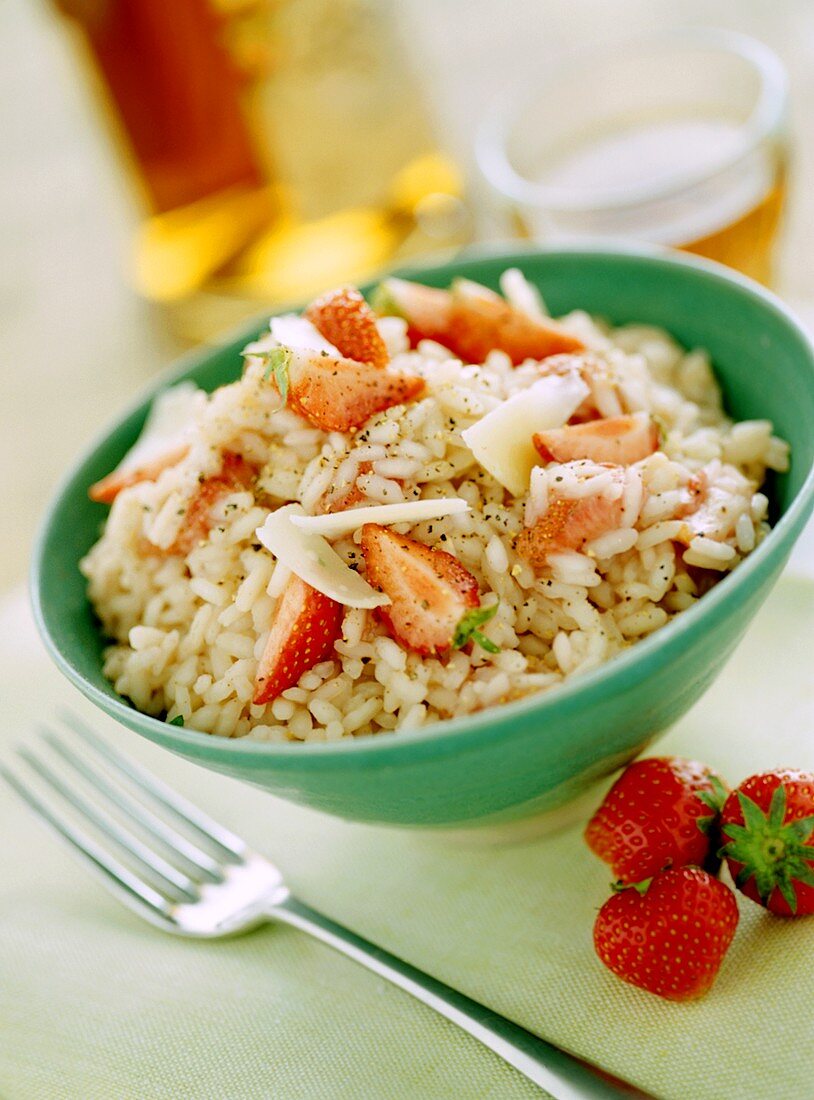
{"points": [[789, 893], [277, 363], [467, 629], [641, 887], [777, 807], [178, 720], [802, 828], [383, 302]]}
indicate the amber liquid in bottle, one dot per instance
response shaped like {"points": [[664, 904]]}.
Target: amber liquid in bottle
{"points": [[279, 146]]}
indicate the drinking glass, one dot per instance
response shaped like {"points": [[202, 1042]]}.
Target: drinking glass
{"points": [[676, 139]]}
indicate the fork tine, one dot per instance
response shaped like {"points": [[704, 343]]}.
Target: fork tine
{"points": [[171, 881], [189, 814], [197, 862], [124, 883]]}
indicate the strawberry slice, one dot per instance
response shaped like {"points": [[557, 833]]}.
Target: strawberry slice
{"points": [[472, 320], [345, 319], [430, 590], [235, 475], [425, 308], [481, 320], [339, 395], [567, 525], [615, 439], [306, 625], [106, 490]]}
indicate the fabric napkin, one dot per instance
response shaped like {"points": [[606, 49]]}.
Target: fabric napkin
{"points": [[96, 1004]]}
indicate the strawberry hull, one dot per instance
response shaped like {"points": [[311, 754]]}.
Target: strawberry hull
{"points": [[768, 828]]}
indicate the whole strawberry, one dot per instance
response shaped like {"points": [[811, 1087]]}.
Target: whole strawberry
{"points": [[659, 813], [671, 938], [767, 826]]}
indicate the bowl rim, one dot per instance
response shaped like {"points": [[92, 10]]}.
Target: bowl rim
{"points": [[444, 736]]}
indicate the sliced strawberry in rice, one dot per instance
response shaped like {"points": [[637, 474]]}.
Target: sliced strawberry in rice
{"points": [[481, 321], [339, 395], [425, 308], [345, 319], [234, 476], [430, 591], [618, 439], [305, 627], [568, 524], [472, 320], [106, 490]]}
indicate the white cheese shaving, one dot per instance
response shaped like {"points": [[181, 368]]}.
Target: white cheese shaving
{"points": [[502, 440], [410, 511], [314, 560], [522, 294], [292, 331], [168, 424]]}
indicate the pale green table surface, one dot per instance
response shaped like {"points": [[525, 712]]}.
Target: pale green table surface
{"points": [[95, 1004]]}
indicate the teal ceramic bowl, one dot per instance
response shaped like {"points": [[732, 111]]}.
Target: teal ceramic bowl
{"points": [[539, 753]]}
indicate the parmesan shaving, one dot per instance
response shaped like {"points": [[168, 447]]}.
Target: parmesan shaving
{"points": [[412, 511], [314, 561], [502, 440], [167, 427]]}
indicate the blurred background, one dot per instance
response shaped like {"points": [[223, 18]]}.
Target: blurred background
{"points": [[169, 169]]}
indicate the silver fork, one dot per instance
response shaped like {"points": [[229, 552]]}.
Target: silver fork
{"points": [[196, 878]]}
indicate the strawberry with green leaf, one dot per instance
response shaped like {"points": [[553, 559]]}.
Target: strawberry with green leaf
{"points": [[334, 393], [767, 826], [661, 812]]}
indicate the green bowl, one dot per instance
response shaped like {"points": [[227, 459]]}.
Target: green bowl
{"points": [[537, 754]]}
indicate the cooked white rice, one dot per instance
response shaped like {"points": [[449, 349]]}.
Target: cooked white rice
{"points": [[189, 630]]}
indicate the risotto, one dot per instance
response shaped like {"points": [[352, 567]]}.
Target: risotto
{"points": [[408, 514]]}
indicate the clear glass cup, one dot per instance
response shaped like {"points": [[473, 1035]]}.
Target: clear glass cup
{"points": [[677, 139]]}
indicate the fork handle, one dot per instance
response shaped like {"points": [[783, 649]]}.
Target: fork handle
{"points": [[563, 1077]]}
